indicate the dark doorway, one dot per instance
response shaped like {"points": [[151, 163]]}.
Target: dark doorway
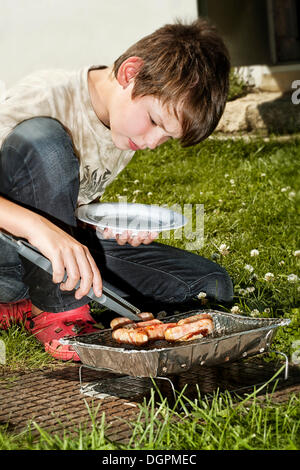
{"points": [[286, 17], [257, 31]]}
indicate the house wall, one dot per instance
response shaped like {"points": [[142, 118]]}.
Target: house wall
{"points": [[37, 34]]}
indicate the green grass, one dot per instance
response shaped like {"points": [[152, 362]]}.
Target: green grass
{"points": [[250, 192], [23, 351]]}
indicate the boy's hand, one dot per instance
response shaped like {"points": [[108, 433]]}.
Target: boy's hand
{"points": [[144, 238], [66, 254]]}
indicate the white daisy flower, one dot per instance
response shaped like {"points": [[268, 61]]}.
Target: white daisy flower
{"points": [[249, 268], [281, 263], [292, 194], [224, 249], [242, 291], [201, 295], [297, 253], [254, 313], [149, 194], [254, 252], [235, 309], [293, 278], [250, 289], [137, 191], [269, 277], [136, 181]]}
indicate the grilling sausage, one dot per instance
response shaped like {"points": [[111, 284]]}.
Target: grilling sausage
{"points": [[193, 318], [155, 331], [130, 336], [142, 324], [138, 334], [120, 322], [189, 331]]}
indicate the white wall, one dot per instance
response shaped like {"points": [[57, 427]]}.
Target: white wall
{"points": [[37, 34]]}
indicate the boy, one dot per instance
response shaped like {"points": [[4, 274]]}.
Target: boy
{"points": [[64, 137]]}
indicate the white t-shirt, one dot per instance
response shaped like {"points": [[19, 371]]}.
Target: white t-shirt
{"points": [[64, 95]]}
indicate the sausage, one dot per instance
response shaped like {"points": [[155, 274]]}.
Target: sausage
{"points": [[119, 322], [189, 331], [130, 336], [155, 331], [142, 324], [137, 334], [193, 318]]}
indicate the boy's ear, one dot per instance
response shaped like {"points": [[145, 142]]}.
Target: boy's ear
{"points": [[128, 70]]}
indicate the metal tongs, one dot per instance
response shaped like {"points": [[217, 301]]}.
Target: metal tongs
{"points": [[108, 298]]}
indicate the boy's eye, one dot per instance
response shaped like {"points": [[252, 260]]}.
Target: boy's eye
{"points": [[152, 121]]}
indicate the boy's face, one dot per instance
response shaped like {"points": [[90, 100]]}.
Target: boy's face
{"points": [[142, 122]]}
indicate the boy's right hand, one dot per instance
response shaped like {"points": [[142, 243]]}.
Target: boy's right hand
{"points": [[66, 254]]}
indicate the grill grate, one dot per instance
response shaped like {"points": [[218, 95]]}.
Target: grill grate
{"points": [[52, 398], [226, 325]]}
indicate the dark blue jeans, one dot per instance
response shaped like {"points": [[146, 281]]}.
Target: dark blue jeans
{"points": [[40, 170]]}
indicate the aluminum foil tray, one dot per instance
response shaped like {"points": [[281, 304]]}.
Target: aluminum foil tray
{"points": [[234, 337]]}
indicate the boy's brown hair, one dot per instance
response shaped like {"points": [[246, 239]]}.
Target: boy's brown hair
{"points": [[184, 64]]}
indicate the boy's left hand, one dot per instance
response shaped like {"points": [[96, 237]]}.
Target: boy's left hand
{"points": [[144, 238]]}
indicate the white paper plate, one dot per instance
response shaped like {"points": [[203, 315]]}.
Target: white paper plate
{"points": [[128, 216]]}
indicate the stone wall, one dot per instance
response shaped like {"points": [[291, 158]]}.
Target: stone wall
{"points": [[264, 112]]}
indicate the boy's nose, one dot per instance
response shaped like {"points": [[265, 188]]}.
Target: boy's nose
{"points": [[156, 138]]}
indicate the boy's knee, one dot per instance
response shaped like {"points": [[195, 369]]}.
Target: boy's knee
{"points": [[36, 131], [42, 147], [38, 167], [220, 287], [217, 286], [43, 138]]}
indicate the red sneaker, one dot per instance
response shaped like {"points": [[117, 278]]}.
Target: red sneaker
{"points": [[14, 313], [48, 328]]}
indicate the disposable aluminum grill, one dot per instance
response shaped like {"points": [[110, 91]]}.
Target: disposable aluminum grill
{"points": [[234, 337]]}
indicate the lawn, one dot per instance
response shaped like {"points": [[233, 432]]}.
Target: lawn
{"points": [[250, 192]]}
